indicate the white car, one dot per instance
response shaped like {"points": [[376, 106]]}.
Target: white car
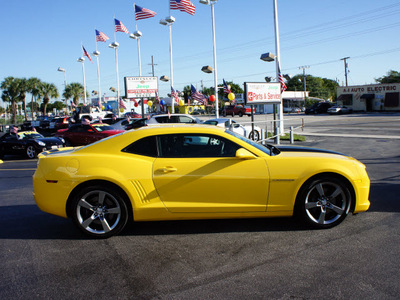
{"points": [[245, 130], [173, 118]]}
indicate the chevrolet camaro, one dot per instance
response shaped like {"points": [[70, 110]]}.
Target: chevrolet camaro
{"points": [[177, 172]]}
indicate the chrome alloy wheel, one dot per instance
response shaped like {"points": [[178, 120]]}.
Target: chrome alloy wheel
{"points": [[30, 152], [98, 212], [326, 202]]}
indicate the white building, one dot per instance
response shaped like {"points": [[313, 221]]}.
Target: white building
{"points": [[372, 97]]}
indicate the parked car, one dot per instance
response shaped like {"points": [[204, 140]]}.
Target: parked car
{"points": [[126, 124], [318, 108], [195, 172], [245, 130], [173, 118], [236, 109], [59, 123], [339, 109], [133, 115], [84, 134], [28, 143], [41, 122]]}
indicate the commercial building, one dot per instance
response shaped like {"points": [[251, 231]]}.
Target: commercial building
{"points": [[372, 97]]}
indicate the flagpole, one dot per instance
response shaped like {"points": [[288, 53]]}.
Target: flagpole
{"points": [[97, 54], [277, 61], [215, 62]]}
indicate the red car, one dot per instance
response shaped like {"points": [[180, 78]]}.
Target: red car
{"points": [[238, 109], [80, 134]]}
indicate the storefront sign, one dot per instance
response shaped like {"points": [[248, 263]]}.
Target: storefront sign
{"points": [[140, 87], [262, 93]]}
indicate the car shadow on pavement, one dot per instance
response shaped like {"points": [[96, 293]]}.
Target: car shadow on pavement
{"points": [[384, 197]]}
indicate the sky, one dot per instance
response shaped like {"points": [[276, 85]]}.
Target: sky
{"points": [[40, 36]]}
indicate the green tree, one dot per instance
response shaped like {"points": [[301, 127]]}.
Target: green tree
{"points": [[11, 93], [34, 89], [23, 87], [48, 90], [391, 77], [75, 91], [235, 88], [316, 86]]}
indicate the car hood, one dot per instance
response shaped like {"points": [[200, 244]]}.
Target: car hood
{"points": [[49, 140], [307, 149]]}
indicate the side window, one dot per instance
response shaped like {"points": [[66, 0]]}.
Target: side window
{"points": [[184, 119], [188, 145], [146, 147], [162, 119]]}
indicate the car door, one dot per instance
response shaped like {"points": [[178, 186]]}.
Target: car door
{"points": [[200, 173]]}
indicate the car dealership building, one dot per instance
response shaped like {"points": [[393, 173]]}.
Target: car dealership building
{"points": [[372, 97]]}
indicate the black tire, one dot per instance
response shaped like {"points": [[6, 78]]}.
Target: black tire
{"points": [[30, 152], [240, 114], [99, 211], [254, 134], [323, 202]]}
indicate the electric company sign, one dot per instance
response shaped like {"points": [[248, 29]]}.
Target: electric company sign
{"points": [[262, 93]]}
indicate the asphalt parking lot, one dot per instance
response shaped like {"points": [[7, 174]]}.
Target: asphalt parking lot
{"points": [[46, 257]]}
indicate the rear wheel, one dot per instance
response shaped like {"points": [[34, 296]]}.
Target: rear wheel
{"points": [[99, 211], [240, 114], [324, 202], [30, 151]]}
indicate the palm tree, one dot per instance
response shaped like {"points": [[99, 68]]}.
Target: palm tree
{"points": [[23, 88], [48, 90], [74, 90], [34, 88], [11, 93]]}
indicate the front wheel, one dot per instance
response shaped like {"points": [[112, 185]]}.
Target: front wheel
{"points": [[254, 135], [324, 202], [99, 211], [30, 152]]}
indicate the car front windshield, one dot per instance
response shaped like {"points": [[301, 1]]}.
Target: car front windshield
{"points": [[29, 135], [266, 150]]}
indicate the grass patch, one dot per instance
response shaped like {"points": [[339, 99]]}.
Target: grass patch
{"points": [[286, 137]]}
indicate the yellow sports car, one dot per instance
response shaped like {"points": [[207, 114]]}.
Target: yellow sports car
{"points": [[178, 172]]}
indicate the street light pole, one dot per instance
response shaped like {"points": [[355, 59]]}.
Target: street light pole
{"points": [[212, 3], [169, 21], [82, 60], [97, 54], [115, 47], [277, 60], [65, 84]]}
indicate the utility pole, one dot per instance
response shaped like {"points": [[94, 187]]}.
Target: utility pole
{"points": [[304, 80], [345, 67], [152, 65]]}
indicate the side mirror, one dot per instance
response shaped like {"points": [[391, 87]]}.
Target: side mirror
{"points": [[244, 154]]}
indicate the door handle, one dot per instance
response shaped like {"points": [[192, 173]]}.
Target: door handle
{"points": [[168, 169]]}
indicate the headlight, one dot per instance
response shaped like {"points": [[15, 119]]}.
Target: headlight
{"points": [[62, 140], [40, 143]]}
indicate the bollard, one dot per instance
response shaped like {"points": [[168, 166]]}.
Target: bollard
{"points": [[291, 135]]}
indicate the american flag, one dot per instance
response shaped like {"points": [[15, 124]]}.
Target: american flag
{"points": [[183, 5], [198, 96], [281, 80], [120, 27], [86, 54], [157, 97], [226, 88], [143, 13], [174, 94], [101, 37], [121, 103]]}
